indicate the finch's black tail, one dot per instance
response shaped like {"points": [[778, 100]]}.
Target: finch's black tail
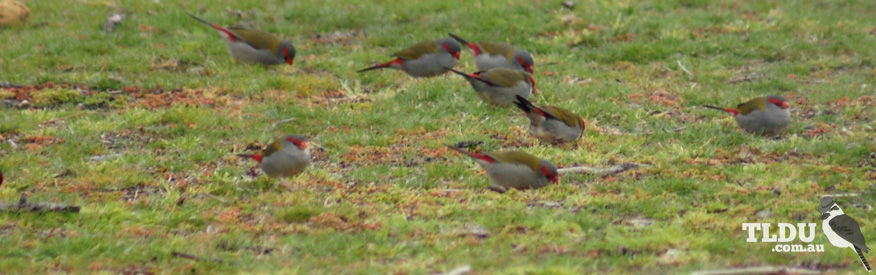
{"points": [[383, 65], [375, 67], [469, 76], [715, 107], [863, 259], [459, 73], [523, 104], [200, 19], [457, 38]]}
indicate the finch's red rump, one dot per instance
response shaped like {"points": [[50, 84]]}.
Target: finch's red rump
{"points": [[256, 157], [482, 157], [227, 32], [474, 48], [732, 111]]}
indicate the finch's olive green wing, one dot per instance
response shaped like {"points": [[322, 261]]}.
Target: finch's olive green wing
{"points": [[498, 49], [505, 77], [256, 38], [418, 50], [752, 105], [517, 157], [273, 148], [567, 117]]}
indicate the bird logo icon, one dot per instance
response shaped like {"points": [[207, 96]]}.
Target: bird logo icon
{"points": [[841, 230]]}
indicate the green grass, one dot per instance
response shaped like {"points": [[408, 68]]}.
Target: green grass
{"points": [[384, 195]]}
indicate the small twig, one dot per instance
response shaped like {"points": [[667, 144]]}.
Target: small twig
{"points": [[683, 68], [840, 195], [329, 201], [202, 196], [746, 78], [215, 197], [814, 81], [462, 270], [759, 270], [191, 257], [184, 255], [104, 157], [291, 119], [7, 85], [25, 206], [599, 172]]}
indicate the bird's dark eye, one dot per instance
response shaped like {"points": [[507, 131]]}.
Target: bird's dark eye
{"points": [[834, 207]]}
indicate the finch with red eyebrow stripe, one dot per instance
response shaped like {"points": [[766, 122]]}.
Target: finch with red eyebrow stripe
{"points": [[285, 157], [424, 59], [762, 115], [253, 46], [514, 169], [490, 55]]}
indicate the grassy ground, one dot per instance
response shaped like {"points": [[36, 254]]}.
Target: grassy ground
{"points": [[140, 128]]}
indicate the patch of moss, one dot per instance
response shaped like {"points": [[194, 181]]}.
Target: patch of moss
{"points": [[105, 84], [305, 85], [297, 214], [104, 100], [55, 96]]}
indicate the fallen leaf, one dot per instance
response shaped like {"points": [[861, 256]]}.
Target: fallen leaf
{"points": [[146, 28], [665, 98]]}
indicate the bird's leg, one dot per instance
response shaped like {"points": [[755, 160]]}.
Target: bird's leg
{"points": [[599, 172]]}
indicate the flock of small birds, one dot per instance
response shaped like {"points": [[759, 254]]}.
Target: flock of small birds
{"points": [[504, 78]]}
